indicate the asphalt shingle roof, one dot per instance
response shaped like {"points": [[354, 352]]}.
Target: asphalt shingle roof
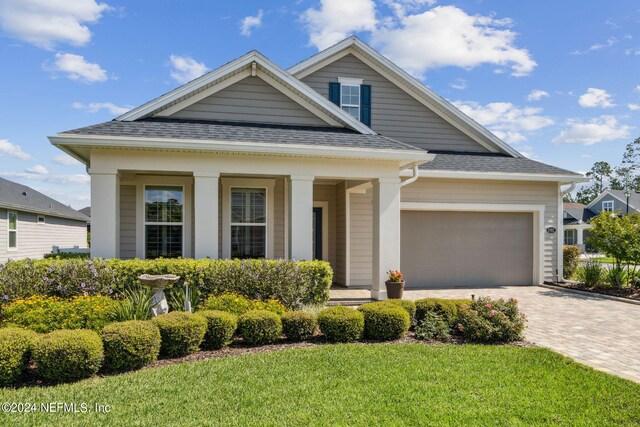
{"points": [[634, 198], [243, 132], [16, 196], [578, 212], [480, 162]]}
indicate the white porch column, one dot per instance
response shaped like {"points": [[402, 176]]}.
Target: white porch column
{"points": [[205, 205], [580, 240], [105, 214], [301, 217], [386, 233]]}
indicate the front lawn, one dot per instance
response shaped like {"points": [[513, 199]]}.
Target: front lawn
{"points": [[354, 384]]}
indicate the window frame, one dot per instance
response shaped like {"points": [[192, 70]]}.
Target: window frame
{"points": [[574, 236], [9, 231], [44, 219], [608, 202], [181, 223], [268, 185], [250, 224], [344, 81]]}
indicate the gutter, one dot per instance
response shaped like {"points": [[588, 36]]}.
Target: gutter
{"points": [[413, 179], [572, 187]]}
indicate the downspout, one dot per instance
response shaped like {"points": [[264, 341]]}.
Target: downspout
{"points": [[568, 190], [412, 179], [559, 263]]}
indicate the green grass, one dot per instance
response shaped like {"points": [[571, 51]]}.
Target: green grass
{"points": [[381, 384], [604, 260]]}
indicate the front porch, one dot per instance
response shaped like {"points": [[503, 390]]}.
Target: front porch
{"points": [[350, 219]]}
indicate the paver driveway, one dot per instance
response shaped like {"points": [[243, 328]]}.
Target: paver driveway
{"points": [[598, 332]]}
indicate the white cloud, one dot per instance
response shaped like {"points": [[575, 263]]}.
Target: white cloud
{"points": [[400, 8], [250, 22], [65, 160], [51, 178], [637, 89], [599, 129], [95, 107], [537, 95], [598, 46], [595, 97], [459, 84], [77, 68], [506, 120], [13, 150], [37, 170], [634, 107], [46, 23], [448, 36], [186, 68], [338, 18]]}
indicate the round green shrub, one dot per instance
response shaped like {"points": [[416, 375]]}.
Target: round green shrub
{"points": [[383, 321], [220, 328], [181, 333], [446, 308], [15, 351], [259, 327], [68, 355], [341, 324], [299, 325], [408, 306], [130, 345]]}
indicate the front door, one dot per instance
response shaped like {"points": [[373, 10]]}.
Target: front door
{"points": [[317, 233]]}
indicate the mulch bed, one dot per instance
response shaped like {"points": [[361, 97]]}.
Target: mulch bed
{"points": [[626, 292], [237, 348]]}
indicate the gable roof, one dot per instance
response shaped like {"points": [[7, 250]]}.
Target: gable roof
{"points": [[409, 84], [250, 64], [634, 198], [22, 198], [578, 212]]}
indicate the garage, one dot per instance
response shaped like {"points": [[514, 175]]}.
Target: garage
{"points": [[470, 249]]}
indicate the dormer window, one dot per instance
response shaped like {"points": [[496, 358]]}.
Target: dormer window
{"points": [[352, 96], [607, 206]]}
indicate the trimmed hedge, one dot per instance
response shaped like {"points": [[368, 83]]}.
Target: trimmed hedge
{"points": [[341, 324], [46, 314], [294, 283], [408, 306], [238, 304], [16, 345], [220, 328], [445, 308], [68, 355], [259, 327], [384, 321], [130, 345], [299, 325], [181, 333]]}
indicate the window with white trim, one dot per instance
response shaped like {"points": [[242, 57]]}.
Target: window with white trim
{"points": [[41, 219], [248, 222], [163, 221], [12, 220], [607, 206], [570, 237], [350, 99]]}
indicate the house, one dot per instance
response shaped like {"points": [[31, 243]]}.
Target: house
{"points": [[31, 224], [87, 212], [343, 157], [576, 215]]}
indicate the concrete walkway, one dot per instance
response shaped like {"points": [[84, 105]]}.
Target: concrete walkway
{"points": [[593, 330]]}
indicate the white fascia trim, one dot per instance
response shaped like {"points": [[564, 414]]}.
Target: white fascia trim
{"points": [[497, 176], [63, 140], [437, 101], [243, 61], [350, 81]]}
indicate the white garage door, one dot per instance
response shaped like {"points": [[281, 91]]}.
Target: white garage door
{"points": [[474, 249]]}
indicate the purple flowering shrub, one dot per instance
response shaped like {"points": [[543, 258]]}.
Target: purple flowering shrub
{"points": [[294, 283], [491, 321]]}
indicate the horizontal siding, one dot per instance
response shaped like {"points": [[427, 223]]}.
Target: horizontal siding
{"points": [[486, 191], [35, 240], [278, 221], [394, 113], [361, 239], [618, 205], [127, 221], [250, 100], [327, 193], [339, 270]]}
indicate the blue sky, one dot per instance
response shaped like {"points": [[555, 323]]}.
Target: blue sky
{"points": [[559, 80]]}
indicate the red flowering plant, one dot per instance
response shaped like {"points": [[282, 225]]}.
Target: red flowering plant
{"points": [[492, 321], [395, 276]]}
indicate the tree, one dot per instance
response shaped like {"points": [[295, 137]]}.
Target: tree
{"points": [[568, 198], [598, 173], [617, 236], [586, 195]]}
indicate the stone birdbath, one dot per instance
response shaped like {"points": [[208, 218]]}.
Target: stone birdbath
{"points": [[159, 282]]}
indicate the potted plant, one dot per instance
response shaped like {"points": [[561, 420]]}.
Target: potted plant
{"points": [[395, 284]]}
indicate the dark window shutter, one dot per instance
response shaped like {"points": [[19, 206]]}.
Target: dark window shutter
{"points": [[334, 93], [365, 104]]}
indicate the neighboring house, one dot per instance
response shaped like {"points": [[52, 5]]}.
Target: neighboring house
{"points": [[31, 224], [343, 157], [577, 216], [87, 212]]}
